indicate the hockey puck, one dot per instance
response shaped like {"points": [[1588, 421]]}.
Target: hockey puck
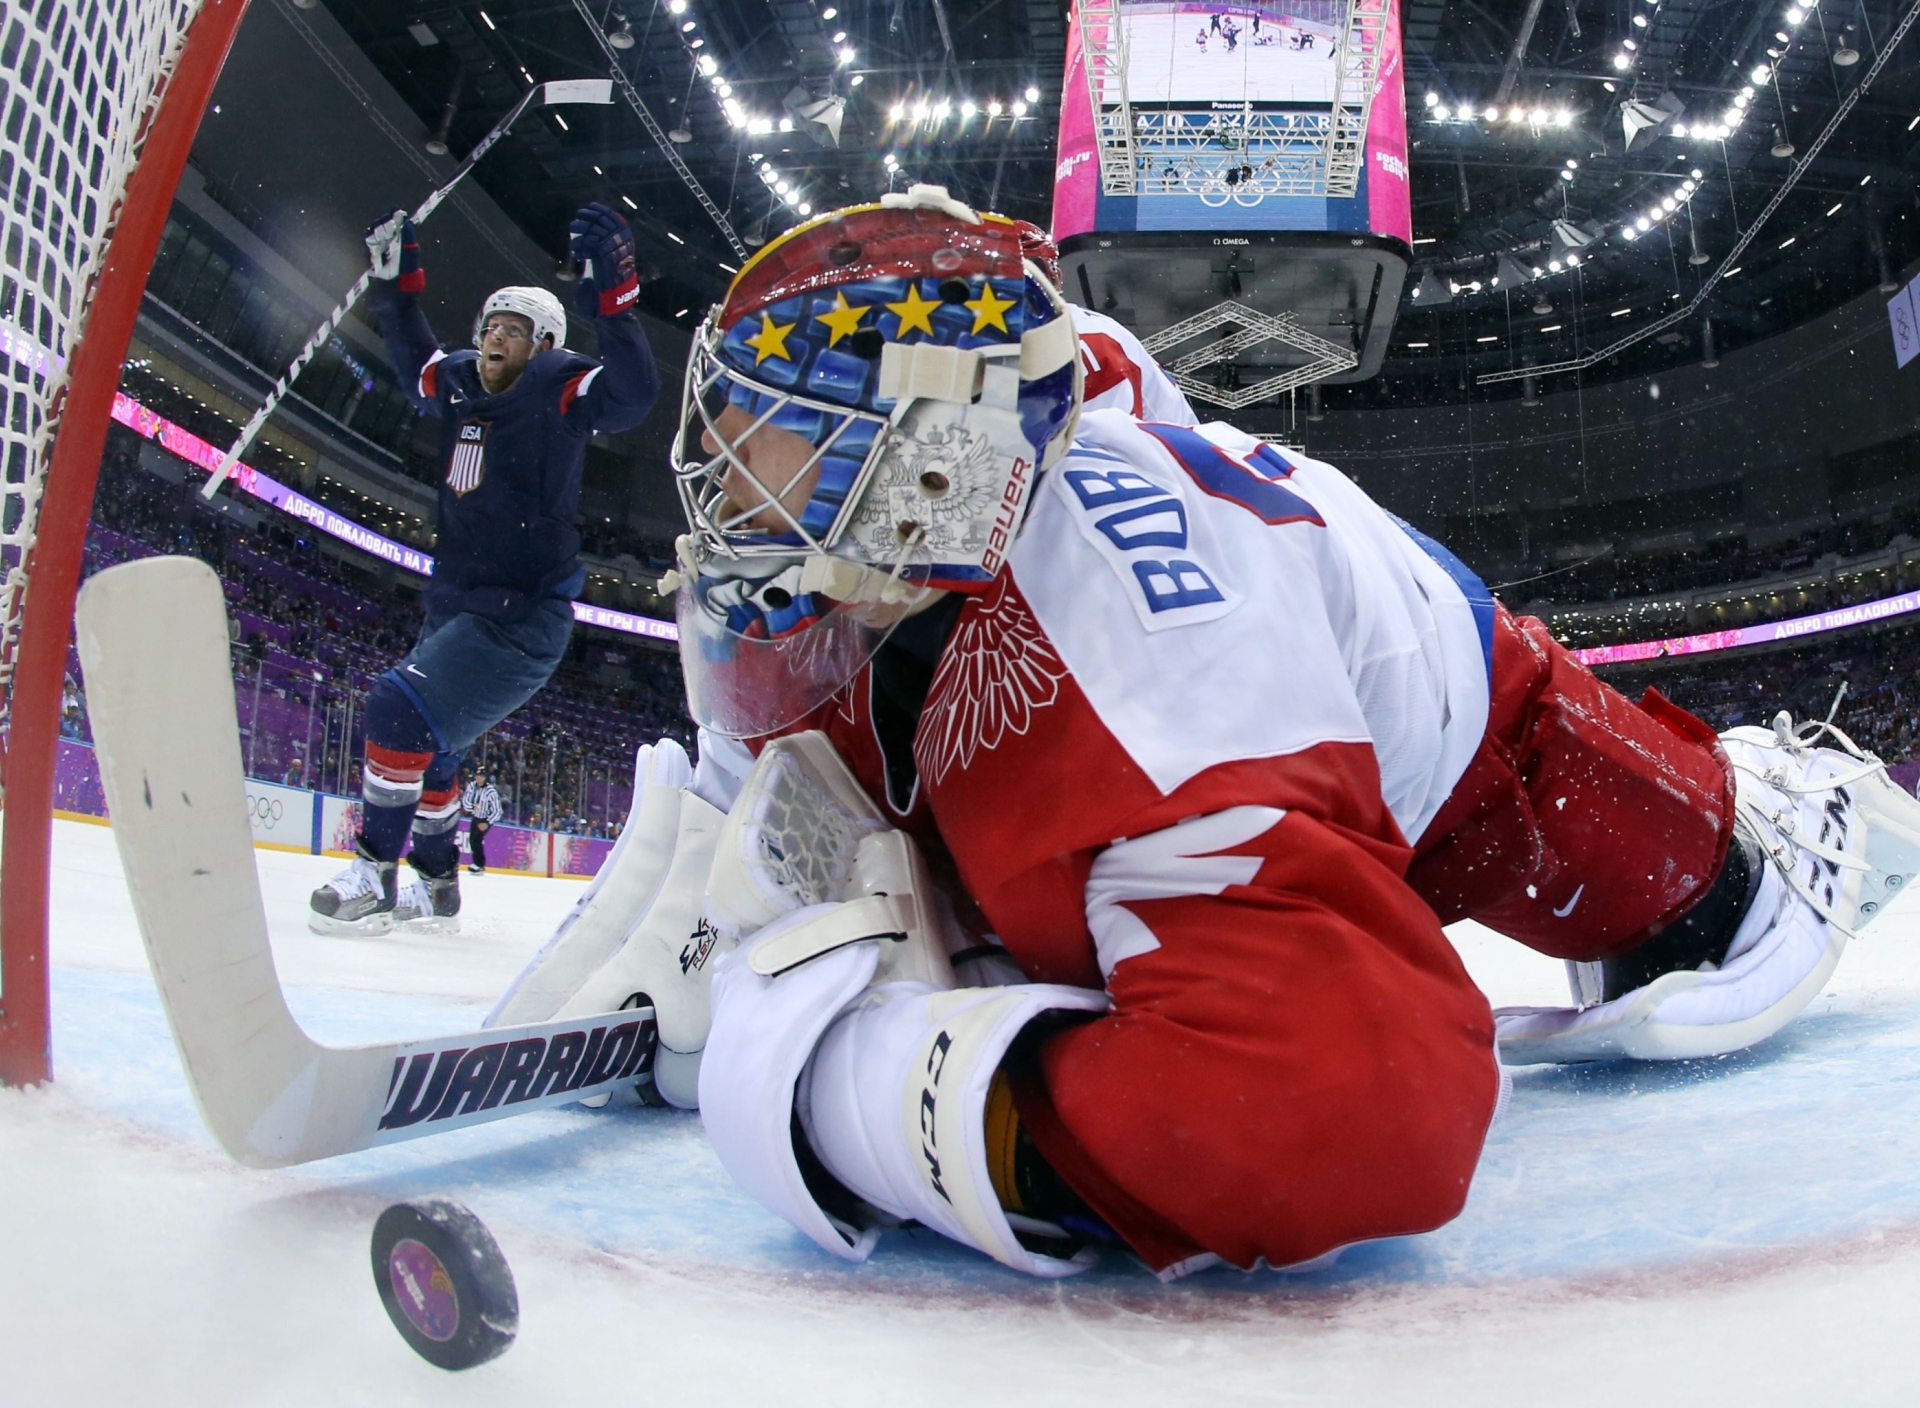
{"points": [[444, 1283]]}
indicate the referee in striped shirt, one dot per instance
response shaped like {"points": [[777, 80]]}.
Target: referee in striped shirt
{"points": [[481, 802]]}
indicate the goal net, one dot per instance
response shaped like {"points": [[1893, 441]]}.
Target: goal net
{"points": [[101, 102]]}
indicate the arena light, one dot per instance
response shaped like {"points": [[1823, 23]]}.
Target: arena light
{"points": [[1623, 62], [1033, 94], [1019, 109]]}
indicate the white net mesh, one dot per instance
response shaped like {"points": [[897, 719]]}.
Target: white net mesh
{"points": [[78, 80]]}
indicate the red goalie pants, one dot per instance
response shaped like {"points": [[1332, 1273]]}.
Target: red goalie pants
{"points": [[1302, 1061], [1585, 820]]}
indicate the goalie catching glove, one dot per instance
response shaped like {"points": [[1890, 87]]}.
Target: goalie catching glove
{"points": [[393, 252], [602, 241]]}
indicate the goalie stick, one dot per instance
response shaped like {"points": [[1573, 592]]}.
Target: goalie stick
{"points": [[153, 643], [572, 90]]}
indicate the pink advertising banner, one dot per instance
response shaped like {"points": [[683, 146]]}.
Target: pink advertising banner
{"points": [[1389, 195], [1793, 629], [77, 793], [1076, 175]]}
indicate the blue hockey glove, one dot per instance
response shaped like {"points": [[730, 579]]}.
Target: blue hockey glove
{"points": [[601, 239], [394, 252]]}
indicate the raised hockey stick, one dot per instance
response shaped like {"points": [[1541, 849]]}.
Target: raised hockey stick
{"points": [[153, 642], [558, 92]]}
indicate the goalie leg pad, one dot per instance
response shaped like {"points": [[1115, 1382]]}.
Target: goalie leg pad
{"points": [[639, 928]]}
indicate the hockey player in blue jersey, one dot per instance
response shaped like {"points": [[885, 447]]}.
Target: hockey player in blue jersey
{"points": [[516, 413]]}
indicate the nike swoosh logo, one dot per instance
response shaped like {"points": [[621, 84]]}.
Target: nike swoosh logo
{"points": [[423, 674], [1558, 913]]}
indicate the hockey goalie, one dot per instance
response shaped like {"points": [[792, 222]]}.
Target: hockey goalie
{"points": [[1082, 796]]}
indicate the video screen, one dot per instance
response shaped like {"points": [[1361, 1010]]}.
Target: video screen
{"points": [[1183, 52]]}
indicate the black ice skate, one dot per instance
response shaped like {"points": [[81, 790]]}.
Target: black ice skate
{"points": [[359, 900], [429, 904]]}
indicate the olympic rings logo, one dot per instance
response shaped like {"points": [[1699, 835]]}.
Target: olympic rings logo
{"points": [[267, 811]]}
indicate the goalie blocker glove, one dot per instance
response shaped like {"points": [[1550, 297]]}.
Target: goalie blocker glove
{"points": [[601, 240], [887, 1080]]}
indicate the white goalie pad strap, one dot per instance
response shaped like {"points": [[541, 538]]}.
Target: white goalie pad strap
{"points": [[764, 1031], [628, 880], [1786, 952], [830, 926], [894, 1104], [722, 769], [927, 371], [1048, 348]]}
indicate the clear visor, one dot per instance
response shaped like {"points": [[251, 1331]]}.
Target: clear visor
{"points": [[746, 681]]}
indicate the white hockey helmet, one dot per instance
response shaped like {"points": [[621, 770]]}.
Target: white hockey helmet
{"points": [[536, 305]]}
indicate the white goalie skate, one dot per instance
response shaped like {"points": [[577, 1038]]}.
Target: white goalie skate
{"points": [[1839, 839]]}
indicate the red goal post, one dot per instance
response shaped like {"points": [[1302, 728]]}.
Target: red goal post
{"points": [[102, 99]]}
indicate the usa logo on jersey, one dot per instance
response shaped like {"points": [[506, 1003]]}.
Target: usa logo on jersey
{"points": [[469, 463]]}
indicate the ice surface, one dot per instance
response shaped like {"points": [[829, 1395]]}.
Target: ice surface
{"points": [[1744, 1230]]}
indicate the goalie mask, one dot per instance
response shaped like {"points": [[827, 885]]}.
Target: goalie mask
{"points": [[863, 420]]}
